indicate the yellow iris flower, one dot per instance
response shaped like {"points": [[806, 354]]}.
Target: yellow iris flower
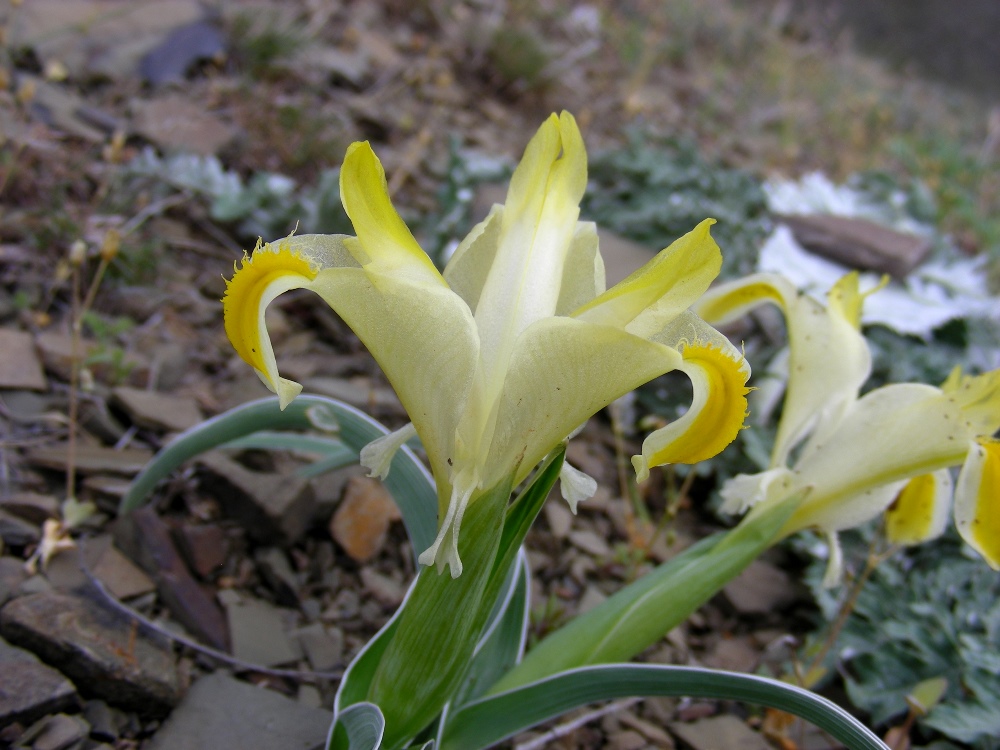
{"points": [[517, 343], [890, 450]]}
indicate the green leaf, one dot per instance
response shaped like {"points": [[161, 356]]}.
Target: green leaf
{"points": [[503, 642], [489, 720], [643, 612], [439, 627], [358, 728], [409, 482]]}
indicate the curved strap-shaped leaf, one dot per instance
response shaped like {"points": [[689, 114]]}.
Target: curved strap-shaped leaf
{"points": [[487, 721], [358, 728], [409, 482]]}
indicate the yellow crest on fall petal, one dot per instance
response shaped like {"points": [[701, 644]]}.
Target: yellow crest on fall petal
{"points": [[243, 311], [720, 420], [911, 517], [720, 407], [978, 513]]}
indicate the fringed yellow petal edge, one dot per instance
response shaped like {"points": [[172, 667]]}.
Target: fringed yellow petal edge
{"points": [[977, 500], [716, 415], [920, 511], [270, 271]]}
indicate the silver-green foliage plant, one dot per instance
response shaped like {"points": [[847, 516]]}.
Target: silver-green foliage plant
{"points": [[929, 613]]}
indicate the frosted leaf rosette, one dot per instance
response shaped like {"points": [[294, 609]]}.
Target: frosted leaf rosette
{"points": [[889, 451], [517, 343]]}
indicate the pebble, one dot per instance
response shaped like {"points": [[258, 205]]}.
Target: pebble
{"points": [[258, 632], [361, 522], [761, 589], [56, 732], [20, 367], [590, 542]]}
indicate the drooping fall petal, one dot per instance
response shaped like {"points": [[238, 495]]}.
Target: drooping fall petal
{"points": [[977, 500]]}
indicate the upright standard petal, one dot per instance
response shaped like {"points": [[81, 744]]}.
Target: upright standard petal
{"points": [[829, 358], [977, 500], [537, 227], [384, 244], [652, 297]]}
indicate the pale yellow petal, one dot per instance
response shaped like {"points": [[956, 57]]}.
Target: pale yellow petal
{"points": [[978, 397], [537, 227], [920, 511], [744, 491], [583, 277], [384, 243], [658, 292], [469, 266], [378, 454], [977, 500], [829, 358], [424, 338], [561, 373], [727, 302], [575, 486], [890, 435], [816, 512]]}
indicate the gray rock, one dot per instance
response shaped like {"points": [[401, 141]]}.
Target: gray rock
{"points": [[267, 505], [221, 713], [12, 575], [273, 564], [95, 646], [31, 506], [57, 732], [103, 724], [157, 411], [16, 532], [258, 631], [719, 732], [144, 536], [30, 689], [760, 589], [20, 366], [324, 647]]}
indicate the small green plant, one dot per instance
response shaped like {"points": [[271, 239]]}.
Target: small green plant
{"points": [[931, 611], [108, 351]]}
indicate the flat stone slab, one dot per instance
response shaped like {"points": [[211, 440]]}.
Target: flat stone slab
{"points": [[30, 689], [20, 366], [859, 243], [157, 411], [267, 505], [91, 459], [97, 647], [222, 713], [724, 732]]}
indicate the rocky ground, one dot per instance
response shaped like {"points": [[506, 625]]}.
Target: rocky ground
{"points": [[158, 630]]}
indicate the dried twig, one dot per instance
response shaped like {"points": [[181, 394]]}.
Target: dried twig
{"points": [[571, 726]]}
